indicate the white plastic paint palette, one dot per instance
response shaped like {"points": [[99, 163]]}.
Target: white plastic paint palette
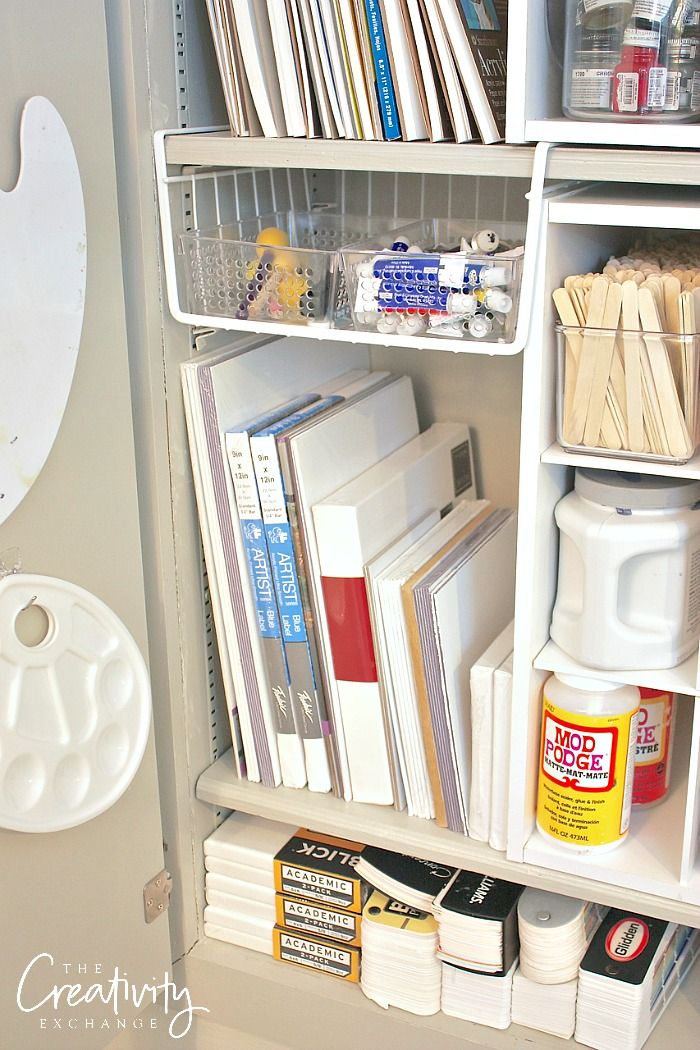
{"points": [[75, 709]]}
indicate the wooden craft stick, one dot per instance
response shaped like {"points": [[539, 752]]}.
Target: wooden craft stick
{"points": [[633, 372], [672, 420], [587, 364], [604, 355]]}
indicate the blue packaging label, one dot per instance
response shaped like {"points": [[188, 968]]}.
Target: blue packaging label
{"points": [[261, 578], [424, 281], [279, 539]]}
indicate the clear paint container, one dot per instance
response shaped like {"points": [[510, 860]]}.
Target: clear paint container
{"points": [[632, 60]]}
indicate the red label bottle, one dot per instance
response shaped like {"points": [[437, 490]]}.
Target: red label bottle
{"points": [[639, 81]]}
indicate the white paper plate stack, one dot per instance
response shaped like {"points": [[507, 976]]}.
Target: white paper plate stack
{"points": [[399, 964], [481, 997], [548, 1008], [240, 886], [554, 934], [629, 975], [478, 923]]}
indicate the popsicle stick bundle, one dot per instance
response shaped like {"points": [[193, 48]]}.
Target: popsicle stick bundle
{"points": [[630, 363]]}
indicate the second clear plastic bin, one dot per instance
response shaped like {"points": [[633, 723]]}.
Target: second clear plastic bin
{"points": [[434, 288], [628, 394], [291, 275]]}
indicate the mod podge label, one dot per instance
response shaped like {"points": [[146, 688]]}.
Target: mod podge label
{"points": [[585, 780], [652, 750]]}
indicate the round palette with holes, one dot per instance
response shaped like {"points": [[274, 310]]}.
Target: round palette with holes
{"points": [[75, 705]]}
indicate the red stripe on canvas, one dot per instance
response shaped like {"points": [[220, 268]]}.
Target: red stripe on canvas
{"points": [[349, 628]]}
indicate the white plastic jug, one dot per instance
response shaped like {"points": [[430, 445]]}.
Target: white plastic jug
{"points": [[628, 595]]}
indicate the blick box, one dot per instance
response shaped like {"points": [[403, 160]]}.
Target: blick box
{"points": [[310, 917], [341, 961], [321, 868]]}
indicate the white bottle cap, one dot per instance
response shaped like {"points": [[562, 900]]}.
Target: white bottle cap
{"points": [[480, 326], [498, 300]]}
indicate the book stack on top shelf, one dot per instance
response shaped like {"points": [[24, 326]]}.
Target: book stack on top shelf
{"points": [[363, 69]]}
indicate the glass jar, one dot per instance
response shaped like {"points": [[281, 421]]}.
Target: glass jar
{"points": [[632, 60]]}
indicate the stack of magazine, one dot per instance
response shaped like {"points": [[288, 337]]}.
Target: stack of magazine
{"points": [[363, 69]]}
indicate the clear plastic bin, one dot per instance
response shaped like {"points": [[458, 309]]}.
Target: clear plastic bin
{"points": [[632, 60], [439, 290], [628, 394], [293, 275]]}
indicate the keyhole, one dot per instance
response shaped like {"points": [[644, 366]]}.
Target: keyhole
{"points": [[32, 625]]}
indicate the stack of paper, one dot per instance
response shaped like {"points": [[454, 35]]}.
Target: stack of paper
{"points": [[412, 881], [547, 1007], [478, 923], [631, 972], [554, 934], [363, 69], [484, 998], [399, 965], [240, 887], [387, 580], [490, 737]]}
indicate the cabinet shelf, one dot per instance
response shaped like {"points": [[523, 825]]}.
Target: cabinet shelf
{"points": [[385, 827], [556, 454], [220, 149], [236, 984], [682, 679]]}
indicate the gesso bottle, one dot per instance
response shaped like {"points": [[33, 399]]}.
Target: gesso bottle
{"points": [[589, 735]]}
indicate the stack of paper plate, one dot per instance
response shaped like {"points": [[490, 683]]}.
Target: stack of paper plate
{"points": [[548, 1007], [399, 964], [411, 880], [478, 922], [629, 975], [240, 886], [554, 934], [481, 997]]}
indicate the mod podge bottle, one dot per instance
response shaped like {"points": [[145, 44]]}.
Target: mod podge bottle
{"points": [[652, 768], [589, 736]]}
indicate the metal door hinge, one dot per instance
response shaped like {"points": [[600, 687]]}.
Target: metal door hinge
{"points": [[156, 895]]}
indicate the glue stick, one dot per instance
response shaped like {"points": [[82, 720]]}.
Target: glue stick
{"points": [[587, 752]]}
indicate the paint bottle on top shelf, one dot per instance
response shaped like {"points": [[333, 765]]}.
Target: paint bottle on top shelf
{"points": [[586, 770]]}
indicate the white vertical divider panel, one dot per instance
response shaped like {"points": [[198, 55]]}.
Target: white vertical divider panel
{"points": [[691, 829], [563, 250]]}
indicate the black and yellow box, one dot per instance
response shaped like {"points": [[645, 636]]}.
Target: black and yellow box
{"points": [[338, 960], [321, 868], [317, 920]]}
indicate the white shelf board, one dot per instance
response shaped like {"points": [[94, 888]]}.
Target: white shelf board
{"points": [[239, 984], [220, 149], [615, 133], [342, 335], [383, 826], [681, 679], [650, 859], [556, 454], [654, 207]]}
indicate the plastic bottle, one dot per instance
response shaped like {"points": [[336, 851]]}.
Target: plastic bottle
{"points": [[639, 80], [587, 752], [652, 769]]}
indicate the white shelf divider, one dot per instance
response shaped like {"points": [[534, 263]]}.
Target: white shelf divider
{"points": [[595, 461], [383, 826], [220, 149], [681, 679]]}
